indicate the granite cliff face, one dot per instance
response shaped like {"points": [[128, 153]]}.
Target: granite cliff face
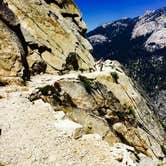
{"points": [[56, 108], [152, 23], [42, 36], [140, 45]]}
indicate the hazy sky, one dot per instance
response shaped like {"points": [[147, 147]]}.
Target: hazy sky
{"points": [[97, 12]]}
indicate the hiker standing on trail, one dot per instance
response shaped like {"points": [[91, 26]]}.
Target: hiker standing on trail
{"points": [[100, 63]]}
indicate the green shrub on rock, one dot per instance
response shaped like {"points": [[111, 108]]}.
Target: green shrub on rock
{"points": [[131, 110], [86, 83], [115, 76]]}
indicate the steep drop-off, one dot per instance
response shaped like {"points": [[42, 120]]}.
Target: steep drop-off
{"points": [[140, 45]]}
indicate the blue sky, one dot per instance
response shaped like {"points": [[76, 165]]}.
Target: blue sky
{"points": [[97, 12]]}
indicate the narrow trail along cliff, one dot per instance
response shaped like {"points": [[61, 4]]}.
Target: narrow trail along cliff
{"points": [[29, 135], [87, 121], [56, 108]]}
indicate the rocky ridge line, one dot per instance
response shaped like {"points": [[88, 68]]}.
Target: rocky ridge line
{"points": [[140, 45]]}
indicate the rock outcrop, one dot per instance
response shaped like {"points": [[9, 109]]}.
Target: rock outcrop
{"points": [[11, 53], [41, 35], [88, 110], [113, 109]]}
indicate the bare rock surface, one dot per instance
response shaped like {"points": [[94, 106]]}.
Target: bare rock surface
{"points": [[10, 52], [39, 36], [29, 135], [32, 132], [53, 30]]}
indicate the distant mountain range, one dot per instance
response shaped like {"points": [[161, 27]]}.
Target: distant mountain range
{"points": [[140, 45]]}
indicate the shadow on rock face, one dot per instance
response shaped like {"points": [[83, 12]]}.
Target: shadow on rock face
{"points": [[72, 62]]}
